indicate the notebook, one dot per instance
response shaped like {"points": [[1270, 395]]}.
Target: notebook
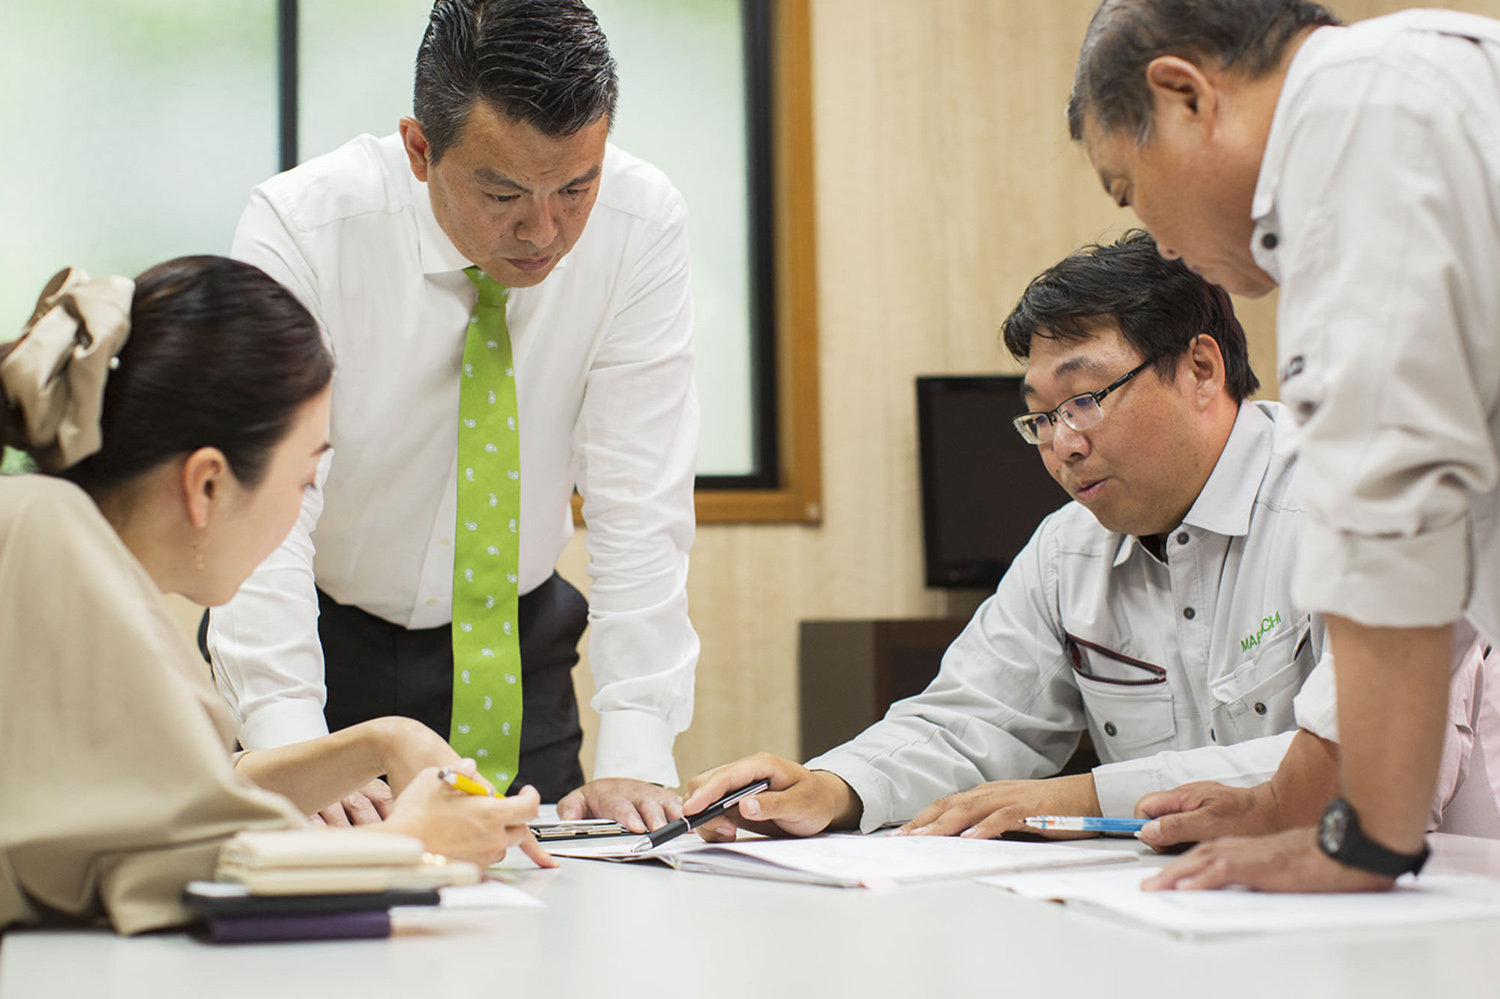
{"points": [[332, 861]]}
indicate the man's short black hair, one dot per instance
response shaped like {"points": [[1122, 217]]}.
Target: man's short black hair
{"points": [[542, 62], [1159, 304], [1109, 85]]}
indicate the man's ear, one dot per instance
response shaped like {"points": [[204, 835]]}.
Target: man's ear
{"points": [[1181, 91], [418, 152], [1206, 366], [205, 483]]}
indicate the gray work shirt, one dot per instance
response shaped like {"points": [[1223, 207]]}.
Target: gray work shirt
{"points": [[1377, 210], [1181, 670]]}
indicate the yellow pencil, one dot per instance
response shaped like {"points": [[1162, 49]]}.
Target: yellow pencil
{"points": [[466, 784]]}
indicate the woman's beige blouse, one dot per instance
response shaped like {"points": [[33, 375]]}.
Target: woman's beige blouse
{"points": [[116, 786]]}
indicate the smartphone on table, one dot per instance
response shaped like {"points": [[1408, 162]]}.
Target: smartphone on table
{"points": [[551, 832]]}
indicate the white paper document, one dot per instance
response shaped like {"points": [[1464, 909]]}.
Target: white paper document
{"points": [[461, 904], [1117, 891], [853, 861], [487, 895]]}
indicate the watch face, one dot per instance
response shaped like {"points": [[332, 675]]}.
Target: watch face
{"points": [[1333, 827]]}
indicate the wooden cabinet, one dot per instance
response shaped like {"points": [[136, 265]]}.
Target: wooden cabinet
{"points": [[850, 672]]}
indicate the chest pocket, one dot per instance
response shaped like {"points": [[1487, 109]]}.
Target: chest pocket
{"points": [[1127, 701], [1256, 699]]}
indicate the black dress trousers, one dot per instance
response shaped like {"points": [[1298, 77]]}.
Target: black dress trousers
{"points": [[374, 668]]}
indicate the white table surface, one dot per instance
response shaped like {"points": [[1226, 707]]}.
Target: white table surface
{"points": [[611, 930]]}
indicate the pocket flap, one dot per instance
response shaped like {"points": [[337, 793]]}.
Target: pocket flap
{"points": [[1095, 662], [1127, 716]]}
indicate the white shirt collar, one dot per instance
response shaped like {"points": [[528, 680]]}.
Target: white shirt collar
{"points": [[1228, 497], [1266, 236], [439, 255], [1273, 159]]}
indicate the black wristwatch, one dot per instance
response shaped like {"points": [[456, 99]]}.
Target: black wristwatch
{"points": [[1340, 836]]}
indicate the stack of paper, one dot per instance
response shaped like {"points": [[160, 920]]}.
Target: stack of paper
{"points": [[1429, 899], [851, 861]]}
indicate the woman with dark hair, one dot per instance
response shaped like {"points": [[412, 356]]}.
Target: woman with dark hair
{"points": [[177, 419]]}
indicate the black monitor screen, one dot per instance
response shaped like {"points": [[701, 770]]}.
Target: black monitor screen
{"points": [[984, 489]]}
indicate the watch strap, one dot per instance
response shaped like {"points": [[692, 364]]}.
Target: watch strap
{"points": [[1359, 851]]}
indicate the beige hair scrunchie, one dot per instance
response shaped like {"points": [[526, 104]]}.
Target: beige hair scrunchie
{"points": [[53, 378]]}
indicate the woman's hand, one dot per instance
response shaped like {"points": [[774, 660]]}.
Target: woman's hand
{"points": [[466, 826]]}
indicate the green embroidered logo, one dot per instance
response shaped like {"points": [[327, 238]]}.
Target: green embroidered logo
{"points": [[1266, 624]]}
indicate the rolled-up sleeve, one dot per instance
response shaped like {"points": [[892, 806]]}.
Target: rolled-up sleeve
{"points": [[1389, 251]]}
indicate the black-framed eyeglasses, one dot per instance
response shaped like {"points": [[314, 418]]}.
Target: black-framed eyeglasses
{"points": [[1080, 412]]}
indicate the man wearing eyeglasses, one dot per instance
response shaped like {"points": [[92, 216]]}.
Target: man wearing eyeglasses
{"points": [[1155, 612]]}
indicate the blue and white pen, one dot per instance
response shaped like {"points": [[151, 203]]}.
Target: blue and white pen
{"points": [[1084, 823]]}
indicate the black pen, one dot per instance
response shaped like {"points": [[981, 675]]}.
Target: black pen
{"points": [[688, 823]]}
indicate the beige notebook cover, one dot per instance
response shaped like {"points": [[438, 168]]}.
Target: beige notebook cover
{"points": [[343, 880], [320, 848], [335, 861]]}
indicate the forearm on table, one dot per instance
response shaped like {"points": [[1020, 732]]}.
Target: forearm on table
{"points": [[893, 770], [1306, 781], [316, 773], [1393, 700], [1249, 764]]}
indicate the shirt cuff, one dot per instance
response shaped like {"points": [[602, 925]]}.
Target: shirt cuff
{"points": [[867, 783], [1389, 582], [637, 745], [281, 723], [1120, 785]]}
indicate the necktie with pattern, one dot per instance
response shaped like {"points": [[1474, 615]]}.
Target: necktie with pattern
{"points": [[486, 551]]}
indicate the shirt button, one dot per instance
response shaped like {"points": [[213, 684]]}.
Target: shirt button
{"points": [[1260, 708], [1212, 737], [1189, 613], [1269, 241], [1182, 538], [1109, 728]]}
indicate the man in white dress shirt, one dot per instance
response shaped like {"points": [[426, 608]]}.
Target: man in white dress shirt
{"points": [[1358, 168], [502, 174], [1155, 612]]}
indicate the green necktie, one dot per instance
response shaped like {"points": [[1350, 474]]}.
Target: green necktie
{"points": [[486, 550]]}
